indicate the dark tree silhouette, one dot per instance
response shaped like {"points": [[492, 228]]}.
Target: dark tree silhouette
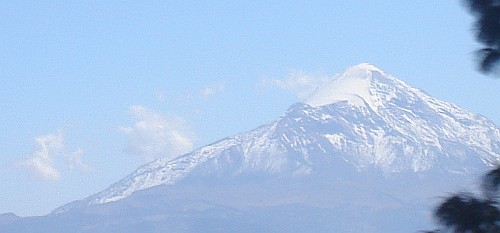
{"points": [[491, 184], [487, 26], [466, 213]]}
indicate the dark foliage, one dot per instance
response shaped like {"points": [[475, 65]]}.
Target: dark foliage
{"points": [[491, 184], [466, 213], [487, 13]]}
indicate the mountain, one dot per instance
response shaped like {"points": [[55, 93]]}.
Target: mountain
{"points": [[364, 118], [363, 153], [7, 218]]}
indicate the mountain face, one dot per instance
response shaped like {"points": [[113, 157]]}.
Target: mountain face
{"points": [[366, 140], [7, 218], [363, 119]]}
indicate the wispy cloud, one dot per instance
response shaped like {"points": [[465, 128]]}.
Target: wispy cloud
{"points": [[75, 161], [298, 82], [154, 135], [211, 90], [48, 150], [41, 160], [160, 96]]}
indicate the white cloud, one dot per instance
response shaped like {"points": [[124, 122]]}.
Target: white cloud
{"points": [[298, 82], [75, 160], [157, 136], [211, 90], [41, 160], [48, 150], [160, 96]]}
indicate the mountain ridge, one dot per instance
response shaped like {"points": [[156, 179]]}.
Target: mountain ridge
{"points": [[385, 125]]}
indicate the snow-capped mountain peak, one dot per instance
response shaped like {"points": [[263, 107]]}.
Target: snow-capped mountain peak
{"points": [[364, 119], [357, 85]]}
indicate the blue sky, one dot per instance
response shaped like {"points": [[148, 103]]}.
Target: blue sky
{"points": [[92, 90]]}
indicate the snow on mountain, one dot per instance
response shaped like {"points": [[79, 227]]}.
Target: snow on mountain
{"points": [[363, 119], [354, 86]]}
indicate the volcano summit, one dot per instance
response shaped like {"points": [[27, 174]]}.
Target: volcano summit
{"points": [[364, 153]]}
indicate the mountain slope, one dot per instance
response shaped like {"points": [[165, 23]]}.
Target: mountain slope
{"points": [[365, 153], [363, 120], [8, 217]]}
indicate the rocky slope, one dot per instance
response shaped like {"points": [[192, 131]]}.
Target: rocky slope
{"points": [[363, 120]]}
